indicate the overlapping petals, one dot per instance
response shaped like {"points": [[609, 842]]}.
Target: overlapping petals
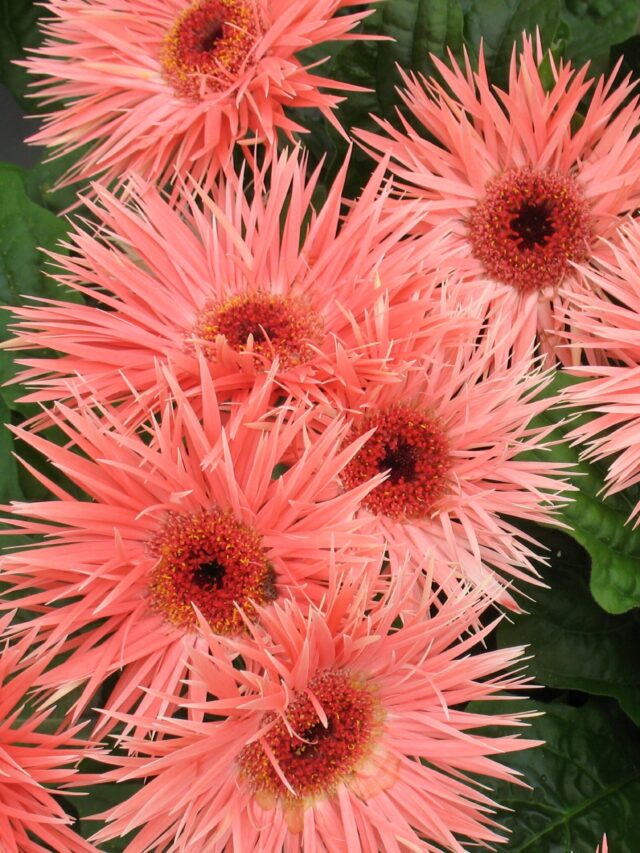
{"points": [[336, 299], [605, 321], [266, 763], [168, 87], [35, 764], [452, 436], [182, 514], [520, 181]]}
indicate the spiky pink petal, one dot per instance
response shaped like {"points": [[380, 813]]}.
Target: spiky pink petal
{"points": [[113, 576], [411, 783], [113, 73], [498, 177], [605, 321], [337, 299], [451, 436], [34, 764]]}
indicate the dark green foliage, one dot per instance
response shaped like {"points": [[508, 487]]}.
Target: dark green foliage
{"points": [[584, 781], [9, 480], [40, 183], [18, 31], [27, 231], [575, 644], [500, 23], [598, 524], [594, 26], [101, 798]]}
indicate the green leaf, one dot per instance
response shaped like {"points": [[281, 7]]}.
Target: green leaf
{"points": [[25, 230], [596, 25], [418, 29], [18, 30], [584, 781], [576, 645], [99, 799], [629, 51], [41, 180], [500, 23], [279, 469], [598, 524], [9, 475]]}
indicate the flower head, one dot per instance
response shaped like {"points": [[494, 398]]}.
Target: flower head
{"points": [[605, 322], [168, 87], [188, 514], [328, 294], [450, 438], [34, 764], [522, 187], [345, 732]]}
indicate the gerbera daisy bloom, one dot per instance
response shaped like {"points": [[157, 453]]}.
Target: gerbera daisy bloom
{"points": [[347, 733], [328, 295], [187, 514], [450, 436], [34, 765], [166, 87], [606, 320], [523, 188]]}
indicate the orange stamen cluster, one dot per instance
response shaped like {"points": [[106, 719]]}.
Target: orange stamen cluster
{"points": [[266, 324], [211, 41], [411, 445], [314, 757], [529, 226], [214, 561]]}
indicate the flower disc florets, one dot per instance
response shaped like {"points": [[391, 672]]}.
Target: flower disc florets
{"points": [[211, 39], [166, 89], [411, 445], [211, 559], [313, 753], [282, 326], [521, 183], [529, 226]]}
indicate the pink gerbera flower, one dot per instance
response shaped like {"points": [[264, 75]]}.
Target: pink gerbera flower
{"points": [[523, 189], [451, 436], [244, 282], [606, 320], [34, 765], [188, 514], [347, 733], [166, 87]]}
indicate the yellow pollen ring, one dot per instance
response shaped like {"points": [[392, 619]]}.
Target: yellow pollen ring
{"points": [[209, 45]]}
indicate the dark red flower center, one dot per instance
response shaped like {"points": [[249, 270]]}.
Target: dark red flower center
{"points": [[410, 444], [214, 561], [266, 324], [314, 755], [212, 38], [529, 226]]}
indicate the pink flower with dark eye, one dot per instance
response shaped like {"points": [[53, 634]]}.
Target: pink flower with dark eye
{"points": [[167, 87], [187, 512], [521, 184], [451, 438], [253, 275], [348, 731]]}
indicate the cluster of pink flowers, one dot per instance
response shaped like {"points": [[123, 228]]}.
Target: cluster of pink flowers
{"points": [[290, 441]]}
